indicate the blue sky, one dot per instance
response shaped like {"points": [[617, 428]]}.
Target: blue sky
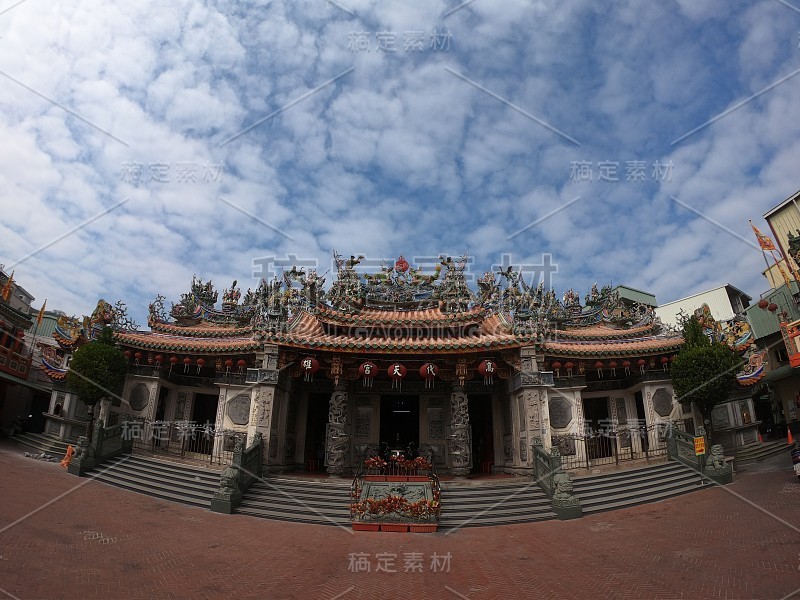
{"points": [[209, 137]]}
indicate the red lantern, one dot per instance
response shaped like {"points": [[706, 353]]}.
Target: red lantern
{"points": [[599, 366], [772, 307], [186, 362], [664, 362], [159, 360], [367, 370], [397, 372], [568, 366], [626, 364], [641, 362], [127, 354], [613, 366], [137, 356], [228, 365], [200, 363], [241, 363], [172, 361], [557, 367], [428, 372], [310, 365], [487, 368], [763, 303]]}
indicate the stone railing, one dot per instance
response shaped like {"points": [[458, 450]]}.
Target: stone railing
{"points": [[712, 464], [107, 443], [247, 467]]}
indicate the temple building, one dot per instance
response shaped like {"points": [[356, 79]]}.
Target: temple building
{"points": [[385, 360]]}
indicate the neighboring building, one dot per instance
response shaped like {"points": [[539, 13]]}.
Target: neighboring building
{"points": [[725, 302], [633, 295], [722, 312], [399, 357], [777, 400], [21, 397]]}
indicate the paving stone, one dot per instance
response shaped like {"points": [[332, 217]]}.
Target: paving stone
{"points": [[741, 541]]}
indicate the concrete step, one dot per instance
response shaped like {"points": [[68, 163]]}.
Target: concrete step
{"points": [[318, 502], [639, 486], [42, 442], [758, 452], [168, 481]]}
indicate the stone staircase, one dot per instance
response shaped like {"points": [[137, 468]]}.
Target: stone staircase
{"points": [[159, 478], [469, 504], [318, 501], [42, 442], [760, 450], [612, 491]]}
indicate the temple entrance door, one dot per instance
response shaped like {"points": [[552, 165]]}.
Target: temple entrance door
{"points": [[400, 421], [204, 412], [598, 420], [480, 420], [316, 421]]}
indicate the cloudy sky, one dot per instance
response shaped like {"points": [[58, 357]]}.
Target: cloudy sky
{"points": [[146, 142]]}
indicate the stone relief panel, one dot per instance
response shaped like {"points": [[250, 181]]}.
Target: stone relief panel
{"points": [[363, 426], [560, 412], [435, 423], [139, 397], [239, 409], [662, 402]]}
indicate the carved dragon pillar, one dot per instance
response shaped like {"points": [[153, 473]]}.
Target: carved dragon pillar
{"points": [[459, 442], [336, 439]]}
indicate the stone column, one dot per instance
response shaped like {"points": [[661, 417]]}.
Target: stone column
{"points": [[459, 442], [336, 439]]}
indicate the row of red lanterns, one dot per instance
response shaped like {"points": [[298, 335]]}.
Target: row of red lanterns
{"points": [[173, 360], [599, 365], [396, 371]]}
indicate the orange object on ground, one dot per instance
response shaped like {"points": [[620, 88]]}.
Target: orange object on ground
{"points": [[67, 457]]}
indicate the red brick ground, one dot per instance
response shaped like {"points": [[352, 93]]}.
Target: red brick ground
{"points": [[64, 537]]}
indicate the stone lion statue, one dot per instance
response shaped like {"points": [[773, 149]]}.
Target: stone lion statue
{"points": [[562, 485], [716, 458]]}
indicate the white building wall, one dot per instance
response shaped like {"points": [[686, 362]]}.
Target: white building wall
{"points": [[717, 300]]}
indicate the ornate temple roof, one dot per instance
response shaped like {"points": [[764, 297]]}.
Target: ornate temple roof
{"points": [[401, 310]]}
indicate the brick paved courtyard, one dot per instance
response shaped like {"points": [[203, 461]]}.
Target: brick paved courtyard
{"points": [[64, 537]]}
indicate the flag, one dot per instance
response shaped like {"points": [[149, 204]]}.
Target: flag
{"points": [[763, 240], [41, 313], [7, 287]]}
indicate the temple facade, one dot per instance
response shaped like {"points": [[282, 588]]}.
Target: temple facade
{"points": [[380, 361]]}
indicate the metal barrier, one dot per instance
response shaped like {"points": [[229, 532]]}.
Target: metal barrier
{"points": [[200, 442], [611, 447]]}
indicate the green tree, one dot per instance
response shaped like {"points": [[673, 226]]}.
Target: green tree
{"points": [[703, 371], [97, 371]]}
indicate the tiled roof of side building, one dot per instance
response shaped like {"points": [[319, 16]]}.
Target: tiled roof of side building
{"points": [[204, 330], [601, 331], [174, 343], [652, 345]]}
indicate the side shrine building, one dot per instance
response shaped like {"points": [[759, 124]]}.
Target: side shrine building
{"points": [[401, 357]]}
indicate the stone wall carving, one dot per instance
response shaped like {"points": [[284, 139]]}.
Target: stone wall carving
{"points": [[139, 397], [458, 442], [336, 438], [662, 402], [239, 409]]}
